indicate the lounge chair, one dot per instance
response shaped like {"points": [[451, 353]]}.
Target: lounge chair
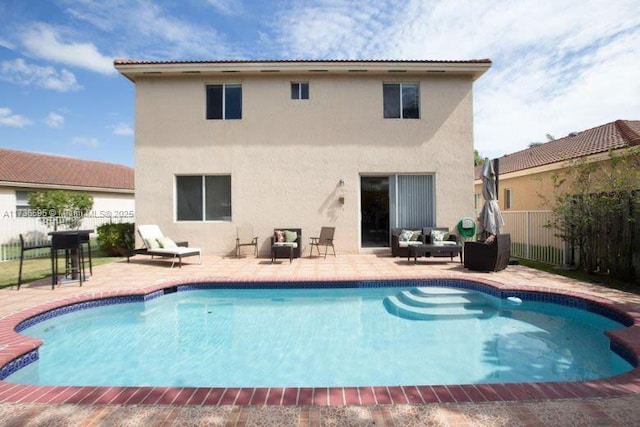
{"points": [[245, 237], [325, 239], [157, 244]]}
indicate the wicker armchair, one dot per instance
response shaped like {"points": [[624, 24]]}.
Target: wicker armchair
{"points": [[480, 256]]}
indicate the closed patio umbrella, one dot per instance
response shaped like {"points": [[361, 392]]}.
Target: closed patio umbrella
{"points": [[490, 220]]}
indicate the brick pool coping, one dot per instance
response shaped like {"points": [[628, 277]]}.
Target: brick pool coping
{"points": [[16, 346]]}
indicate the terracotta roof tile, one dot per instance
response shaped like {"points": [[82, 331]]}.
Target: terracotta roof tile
{"points": [[35, 168], [614, 135]]}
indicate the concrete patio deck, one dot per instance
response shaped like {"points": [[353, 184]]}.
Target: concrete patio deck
{"points": [[144, 273]]}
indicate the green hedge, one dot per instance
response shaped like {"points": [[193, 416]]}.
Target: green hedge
{"points": [[117, 239]]}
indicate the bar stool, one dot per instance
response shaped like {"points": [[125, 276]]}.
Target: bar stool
{"points": [[84, 239], [25, 247], [71, 244]]}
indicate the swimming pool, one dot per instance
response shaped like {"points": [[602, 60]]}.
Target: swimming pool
{"points": [[239, 337]]}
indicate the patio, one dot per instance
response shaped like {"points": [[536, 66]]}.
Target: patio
{"points": [[145, 273]]}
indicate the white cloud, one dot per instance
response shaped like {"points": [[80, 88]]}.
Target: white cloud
{"points": [[54, 120], [227, 7], [557, 66], [122, 129], [20, 72], [7, 118], [144, 29], [44, 42], [85, 141], [6, 44]]}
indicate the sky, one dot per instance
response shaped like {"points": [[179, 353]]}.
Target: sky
{"points": [[559, 66]]}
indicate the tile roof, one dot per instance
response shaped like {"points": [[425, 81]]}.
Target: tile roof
{"points": [[134, 68], [611, 136], [35, 168]]}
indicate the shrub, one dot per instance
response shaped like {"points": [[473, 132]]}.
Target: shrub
{"points": [[117, 239]]}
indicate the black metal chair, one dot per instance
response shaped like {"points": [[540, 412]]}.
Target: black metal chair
{"points": [[71, 244], [25, 247]]}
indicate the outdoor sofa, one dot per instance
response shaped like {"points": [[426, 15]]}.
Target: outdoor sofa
{"points": [[400, 246]]}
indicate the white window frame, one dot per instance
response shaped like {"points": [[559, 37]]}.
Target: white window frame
{"points": [[401, 84], [203, 199], [299, 94], [224, 100]]}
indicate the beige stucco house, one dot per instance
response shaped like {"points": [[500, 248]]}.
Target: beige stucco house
{"points": [[525, 182], [358, 145]]}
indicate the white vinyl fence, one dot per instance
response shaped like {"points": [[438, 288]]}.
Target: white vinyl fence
{"points": [[35, 231], [531, 239]]}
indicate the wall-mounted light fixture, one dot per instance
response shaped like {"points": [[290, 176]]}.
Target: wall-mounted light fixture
{"points": [[341, 182]]}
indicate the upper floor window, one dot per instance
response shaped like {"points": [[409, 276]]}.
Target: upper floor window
{"points": [[224, 102], [401, 100], [300, 90], [203, 197]]}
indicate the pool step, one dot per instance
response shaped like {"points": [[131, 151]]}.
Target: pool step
{"points": [[420, 300], [438, 303]]}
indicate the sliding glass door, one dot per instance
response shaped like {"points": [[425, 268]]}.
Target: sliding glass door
{"points": [[374, 211], [394, 201]]}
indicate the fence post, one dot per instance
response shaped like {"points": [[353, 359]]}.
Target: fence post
{"points": [[527, 225]]}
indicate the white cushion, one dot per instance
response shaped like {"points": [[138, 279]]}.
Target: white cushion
{"points": [[179, 250], [292, 244], [409, 243]]}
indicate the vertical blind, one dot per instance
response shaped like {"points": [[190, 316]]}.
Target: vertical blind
{"points": [[414, 201]]}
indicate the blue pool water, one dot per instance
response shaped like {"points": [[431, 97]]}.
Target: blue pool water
{"points": [[321, 337]]}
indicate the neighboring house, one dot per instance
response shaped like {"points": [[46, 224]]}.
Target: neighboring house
{"points": [[358, 145], [22, 173], [526, 175]]}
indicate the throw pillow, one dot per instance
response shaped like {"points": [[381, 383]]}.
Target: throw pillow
{"points": [[437, 236], [279, 236], [166, 242], [415, 236], [405, 235], [290, 236]]}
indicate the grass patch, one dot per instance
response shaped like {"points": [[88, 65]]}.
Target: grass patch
{"points": [[604, 280], [39, 268]]}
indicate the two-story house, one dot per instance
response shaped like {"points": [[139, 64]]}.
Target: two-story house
{"points": [[362, 146]]}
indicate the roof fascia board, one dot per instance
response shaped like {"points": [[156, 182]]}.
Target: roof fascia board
{"points": [[140, 69]]}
